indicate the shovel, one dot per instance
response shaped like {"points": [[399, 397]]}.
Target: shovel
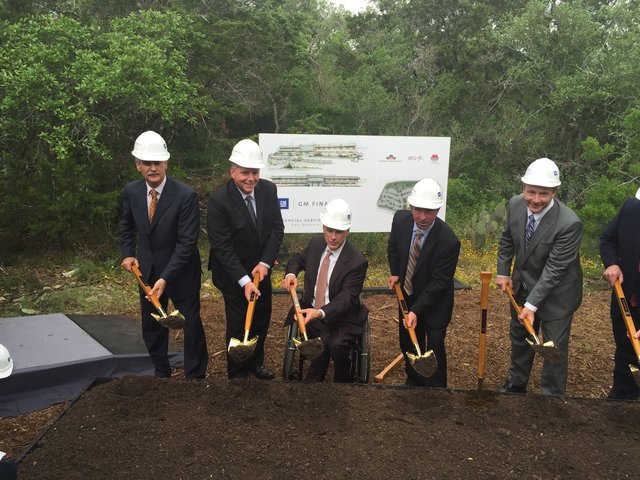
{"points": [[481, 396], [241, 351], [425, 364], [548, 350], [394, 363], [309, 349], [631, 329], [173, 321]]}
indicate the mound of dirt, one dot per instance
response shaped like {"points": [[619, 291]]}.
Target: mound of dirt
{"points": [[148, 428]]}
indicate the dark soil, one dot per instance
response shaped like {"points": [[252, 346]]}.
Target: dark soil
{"points": [[139, 427]]}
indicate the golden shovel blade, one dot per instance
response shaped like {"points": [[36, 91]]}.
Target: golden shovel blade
{"points": [[240, 351], [548, 350], [173, 321], [309, 349], [425, 364], [635, 372]]}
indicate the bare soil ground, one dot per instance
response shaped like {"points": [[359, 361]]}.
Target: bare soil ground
{"points": [[149, 428]]}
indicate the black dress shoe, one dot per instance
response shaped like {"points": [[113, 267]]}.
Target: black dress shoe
{"points": [[263, 373], [509, 387]]}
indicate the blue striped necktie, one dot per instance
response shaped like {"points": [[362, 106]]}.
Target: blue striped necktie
{"points": [[531, 226]]}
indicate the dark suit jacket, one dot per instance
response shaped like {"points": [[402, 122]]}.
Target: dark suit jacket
{"points": [[620, 245], [433, 275], [344, 310], [237, 245], [169, 245], [550, 267]]}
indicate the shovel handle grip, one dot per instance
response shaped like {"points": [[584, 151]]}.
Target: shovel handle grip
{"points": [[626, 315], [154, 300], [394, 363], [518, 309], [405, 315], [252, 304], [485, 280], [298, 310]]}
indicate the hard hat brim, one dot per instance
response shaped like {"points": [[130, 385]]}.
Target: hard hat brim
{"points": [[258, 165], [7, 370], [536, 182], [151, 158]]}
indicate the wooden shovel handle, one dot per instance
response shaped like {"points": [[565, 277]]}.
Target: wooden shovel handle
{"points": [[298, 311], [518, 309], [405, 312], [626, 315], [394, 363], [154, 300], [252, 304], [485, 280]]}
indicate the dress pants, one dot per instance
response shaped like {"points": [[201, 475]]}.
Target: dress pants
{"points": [[235, 306], [435, 341], [554, 374], [156, 337], [337, 345], [624, 385]]}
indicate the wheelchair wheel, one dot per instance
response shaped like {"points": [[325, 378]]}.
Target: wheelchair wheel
{"points": [[289, 371], [362, 353]]}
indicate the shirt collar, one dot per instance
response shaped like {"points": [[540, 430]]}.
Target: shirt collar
{"points": [[538, 216], [337, 251], [158, 188]]}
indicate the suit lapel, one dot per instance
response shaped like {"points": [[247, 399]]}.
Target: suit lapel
{"points": [[140, 207], [340, 265]]}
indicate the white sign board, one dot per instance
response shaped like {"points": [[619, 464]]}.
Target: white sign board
{"points": [[374, 174]]}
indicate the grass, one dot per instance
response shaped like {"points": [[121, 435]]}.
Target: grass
{"points": [[93, 285]]}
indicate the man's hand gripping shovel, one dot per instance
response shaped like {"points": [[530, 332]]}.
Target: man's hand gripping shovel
{"points": [[241, 351], [548, 350], [425, 364], [631, 329], [309, 349], [172, 321]]}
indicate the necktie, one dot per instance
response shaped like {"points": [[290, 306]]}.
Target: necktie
{"points": [[531, 225], [252, 212], [411, 264], [152, 205], [323, 278]]}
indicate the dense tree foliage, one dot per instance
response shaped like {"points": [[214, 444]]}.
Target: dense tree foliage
{"points": [[508, 80]]}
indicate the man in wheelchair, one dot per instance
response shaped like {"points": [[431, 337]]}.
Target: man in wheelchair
{"points": [[334, 276]]}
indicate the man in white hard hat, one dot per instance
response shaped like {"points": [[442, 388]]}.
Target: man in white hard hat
{"points": [[245, 231], [159, 231], [423, 254], [334, 277], [539, 257], [620, 254], [6, 363]]}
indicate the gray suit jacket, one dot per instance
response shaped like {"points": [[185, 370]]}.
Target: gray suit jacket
{"points": [[550, 267]]}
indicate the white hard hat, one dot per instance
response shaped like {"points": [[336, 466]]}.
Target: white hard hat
{"points": [[426, 194], [542, 173], [638, 194], [6, 364], [247, 154], [336, 215], [150, 147]]}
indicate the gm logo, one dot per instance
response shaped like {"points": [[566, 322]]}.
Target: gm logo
{"points": [[284, 203]]}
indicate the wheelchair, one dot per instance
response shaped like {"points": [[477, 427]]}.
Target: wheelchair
{"points": [[293, 362]]}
